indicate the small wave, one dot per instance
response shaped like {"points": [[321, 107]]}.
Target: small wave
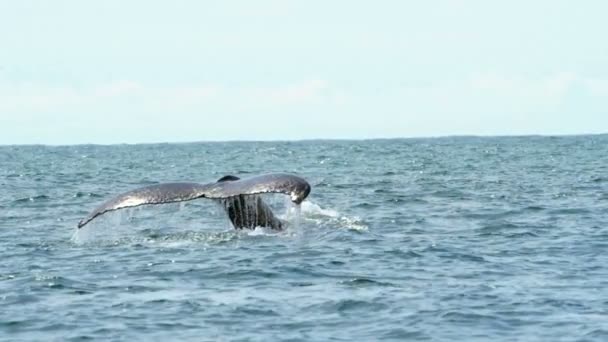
{"points": [[534, 208], [598, 333], [38, 198], [54, 282], [257, 312], [352, 305], [7, 277], [315, 213], [301, 284], [464, 257], [86, 194], [403, 254], [522, 235], [464, 317], [16, 324], [498, 227], [94, 238], [569, 211], [366, 205], [364, 282], [14, 175], [404, 335]]}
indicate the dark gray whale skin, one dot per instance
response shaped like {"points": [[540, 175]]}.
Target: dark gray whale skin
{"points": [[244, 211]]}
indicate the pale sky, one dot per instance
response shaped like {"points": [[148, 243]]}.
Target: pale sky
{"points": [[74, 71]]}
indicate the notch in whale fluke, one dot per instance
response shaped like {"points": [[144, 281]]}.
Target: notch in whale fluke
{"points": [[228, 178], [228, 186]]}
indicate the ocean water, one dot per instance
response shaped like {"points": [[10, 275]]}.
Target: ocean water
{"points": [[446, 239]]}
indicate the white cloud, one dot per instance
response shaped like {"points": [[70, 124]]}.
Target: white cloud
{"points": [[552, 86], [596, 87], [43, 98], [28, 97], [514, 95], [116, 89], [310, 91]]}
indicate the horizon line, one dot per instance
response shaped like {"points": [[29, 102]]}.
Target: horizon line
{"points": [[483, 136]]}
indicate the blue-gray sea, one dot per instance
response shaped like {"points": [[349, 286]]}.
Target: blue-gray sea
{"points": [[441, 239]]}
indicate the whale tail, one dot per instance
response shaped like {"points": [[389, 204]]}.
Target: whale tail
{"points": [[238, 196]]}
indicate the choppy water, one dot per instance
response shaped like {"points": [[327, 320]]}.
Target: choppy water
{"points": [[466, 239]]}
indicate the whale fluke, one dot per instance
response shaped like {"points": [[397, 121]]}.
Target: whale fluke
{"points": [[230, 188]]}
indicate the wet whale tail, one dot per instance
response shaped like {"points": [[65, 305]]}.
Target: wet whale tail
{"points": [[238, 196]]}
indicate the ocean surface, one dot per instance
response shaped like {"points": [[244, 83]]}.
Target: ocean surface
{"points": [[443, 239]]}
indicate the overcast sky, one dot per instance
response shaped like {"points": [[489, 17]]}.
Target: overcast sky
{"points": [[156, 71]]}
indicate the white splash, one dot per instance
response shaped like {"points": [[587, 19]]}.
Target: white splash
{"points": [[311, 211]]}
